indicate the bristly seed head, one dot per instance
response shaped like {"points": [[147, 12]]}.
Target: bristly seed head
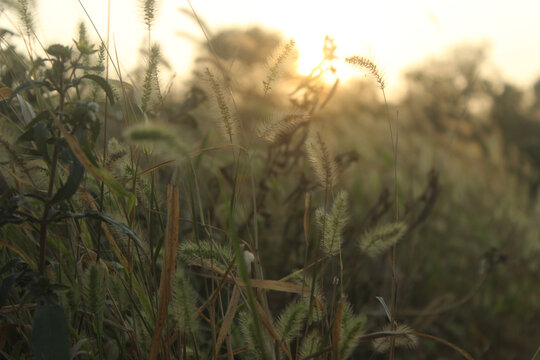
{"points": [[376, 240], [274, 70], [407, 339], [370, 66], [323, 163], [226, 117]]}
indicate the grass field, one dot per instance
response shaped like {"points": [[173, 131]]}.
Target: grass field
{"points": [[258, 213]]}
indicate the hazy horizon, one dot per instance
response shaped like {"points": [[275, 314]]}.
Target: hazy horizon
{"points": [[396, 34]]}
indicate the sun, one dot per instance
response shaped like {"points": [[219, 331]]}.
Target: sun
{"points": [[312, 55]]}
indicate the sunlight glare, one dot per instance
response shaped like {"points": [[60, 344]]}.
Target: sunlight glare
{"points": [[397, 33], [311, 55]]}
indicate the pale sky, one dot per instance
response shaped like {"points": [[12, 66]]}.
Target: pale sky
{"points": [[396, 33]]}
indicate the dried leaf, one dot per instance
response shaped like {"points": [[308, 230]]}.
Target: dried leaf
{"points": [[169, 264], [229, 317]]}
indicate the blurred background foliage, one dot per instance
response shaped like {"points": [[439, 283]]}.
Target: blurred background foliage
{"points": [[468, 177]]}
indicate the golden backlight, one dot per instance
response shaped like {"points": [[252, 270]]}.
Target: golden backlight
{"points": [[309, 58], [396, 33]]}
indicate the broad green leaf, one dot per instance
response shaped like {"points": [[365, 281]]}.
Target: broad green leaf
{"points": [[76, 174], [40, 137], [44, 116], [99, 173], [27, 86], [50, 336], [98, 215], [101, 82], [5, 287], [3, 32]]}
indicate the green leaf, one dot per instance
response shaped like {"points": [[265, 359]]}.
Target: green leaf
{"points": [[101, 82], [86, 146], [50, 336], [28, 135], [5, 31], [99, 173], [122, 227], [118, 188], [44, 116], [6, 286], [85, 48], [76, 174], [27, 86], [98, 215], [40, 137], [90, 68]]}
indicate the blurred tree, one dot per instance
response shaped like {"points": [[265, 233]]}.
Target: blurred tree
{"points": [[516, 123], [452, 93], [536, 105], [520, 128], [447, 98], [252, 47]]}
